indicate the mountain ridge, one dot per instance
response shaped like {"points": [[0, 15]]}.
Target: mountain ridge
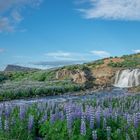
{"points": [[10, 68]]}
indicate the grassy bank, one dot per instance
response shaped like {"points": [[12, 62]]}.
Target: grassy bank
{"points": [[19, 90]]}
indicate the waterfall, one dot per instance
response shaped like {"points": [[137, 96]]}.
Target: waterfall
{"points": [[127, 78]]}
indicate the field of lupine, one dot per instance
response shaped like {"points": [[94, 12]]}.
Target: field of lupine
{"points": [[30, 89], [108, 118]]}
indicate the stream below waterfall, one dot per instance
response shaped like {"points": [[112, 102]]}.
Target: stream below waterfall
{"points": [[66, 98]]}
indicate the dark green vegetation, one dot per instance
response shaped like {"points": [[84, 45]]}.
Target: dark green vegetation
{"points": [[30, 75]]}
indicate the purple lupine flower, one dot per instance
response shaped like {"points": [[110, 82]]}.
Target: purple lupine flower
{"points": [[0, 123], [125, 116], [108, 129], [106, 113], [6, 125], [52, 118], [7, 111], [135, 120], [30, 123], [69, 118], [94, 135], [138, 117], [87, 110], [44, 118], [128, 120], [92, 118], [104, 123], [83, 127], [61, 115], [83, 116], [98, 115], [22, 112]]}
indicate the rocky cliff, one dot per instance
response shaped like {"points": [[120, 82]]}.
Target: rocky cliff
{"points": [[92, 75]]}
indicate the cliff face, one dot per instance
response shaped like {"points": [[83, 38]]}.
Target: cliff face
{"points": [[100, 75], [104, 74], [77, 76]]}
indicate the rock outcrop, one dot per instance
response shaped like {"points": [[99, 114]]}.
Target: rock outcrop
{"points": [[76, 76]]}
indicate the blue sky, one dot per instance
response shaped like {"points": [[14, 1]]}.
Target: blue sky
{"points": [[47, 33]]}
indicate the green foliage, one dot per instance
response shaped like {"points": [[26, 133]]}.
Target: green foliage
{"points": [[27, 90], [3, 77], [95, 63], [130, 61], [56, 131], [31, 75]]}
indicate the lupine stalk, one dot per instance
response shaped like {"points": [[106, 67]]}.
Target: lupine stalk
{"points": [[134, 134], [94, 135], [6, 125], [83, 127], [0, 123], [92, 118], [108, 129], [69, 118], [52, 118], [104, 123], [127, 137], [30, 123], [22, 112]]}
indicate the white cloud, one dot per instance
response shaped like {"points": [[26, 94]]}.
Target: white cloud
{"points": [[101, 54], [11, 13], [136, 51], [113, 9]]}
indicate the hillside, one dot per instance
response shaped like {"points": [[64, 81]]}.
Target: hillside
{"points": [[101, 71], [96, 75]]}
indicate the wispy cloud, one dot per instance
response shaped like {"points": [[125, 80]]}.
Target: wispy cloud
{"points": [[55, 63], [5, 25], [11, 13], [113, 9], [1, 50], [59, 54], [61, 58], [62, 55], [136, 51], [101, 54]]}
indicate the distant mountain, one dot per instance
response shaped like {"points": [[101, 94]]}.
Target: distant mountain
{"points": [[11, 68]]}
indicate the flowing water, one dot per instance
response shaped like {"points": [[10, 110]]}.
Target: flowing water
{"points": [[62, 99], [127, 78]]}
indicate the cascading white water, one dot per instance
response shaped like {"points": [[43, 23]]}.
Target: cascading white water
{"points": [[127, 78]]}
